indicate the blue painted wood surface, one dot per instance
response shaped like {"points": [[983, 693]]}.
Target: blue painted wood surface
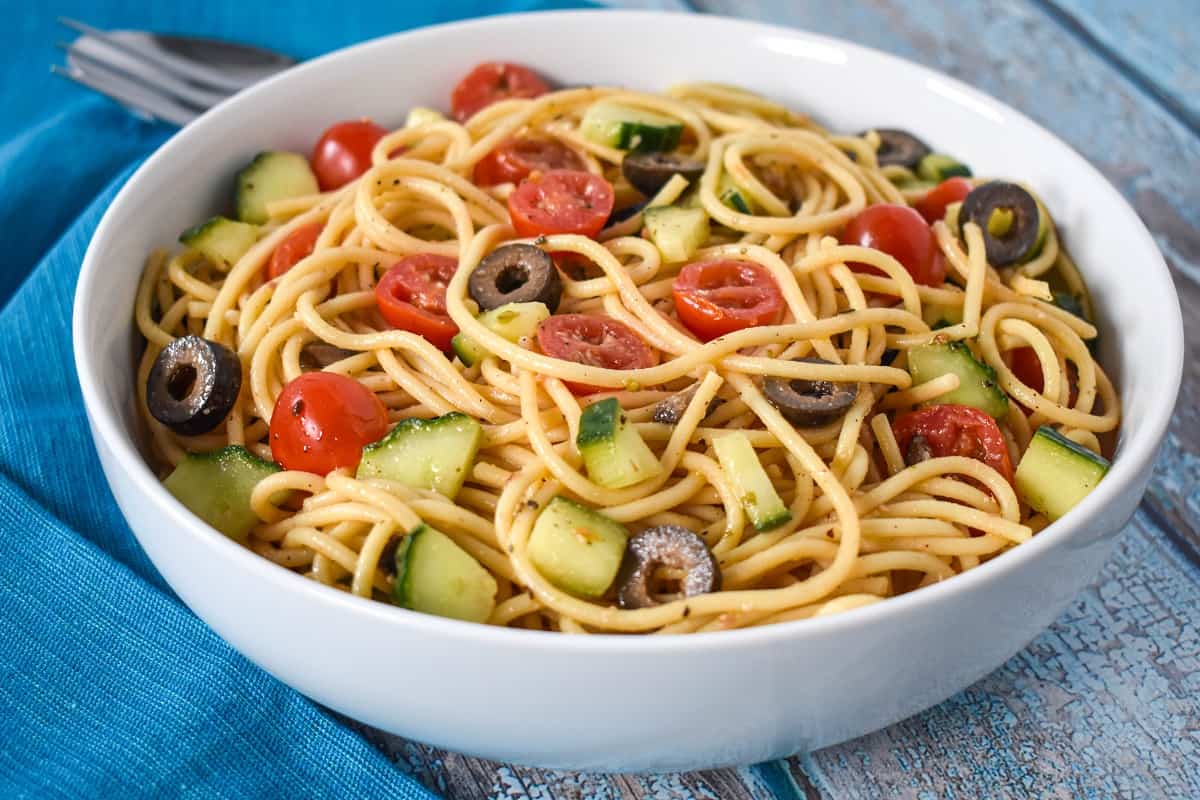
{"points": [[1105, 704]]}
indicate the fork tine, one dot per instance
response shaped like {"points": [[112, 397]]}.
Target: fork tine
{"points": [[156, 80], [185, 70], [142, 103]]}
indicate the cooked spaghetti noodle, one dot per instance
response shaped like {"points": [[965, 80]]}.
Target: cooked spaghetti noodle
{"points": [[867, 521]]}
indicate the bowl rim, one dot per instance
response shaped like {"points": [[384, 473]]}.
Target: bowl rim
{"points": [[1135, 458]]}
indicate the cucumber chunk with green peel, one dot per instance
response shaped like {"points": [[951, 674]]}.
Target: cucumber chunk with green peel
{"points": [[516, 322], [937, 167], [272, 176], [217, 486], [221, 240], [577, 549], [433, 453], [677, 232], [436, 576], [735, 196], [613, 451], [761, 502], [1054, 474], [626, 128], [977, 384]]}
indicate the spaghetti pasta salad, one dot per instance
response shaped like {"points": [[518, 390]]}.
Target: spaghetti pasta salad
{"points": [[595, 360]]}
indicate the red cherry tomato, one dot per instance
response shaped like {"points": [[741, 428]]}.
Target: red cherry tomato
{"points": [[513, 160], [412, 296], [933, 205], [1024, 363], [322, 421], [595, 341], [491, 82], [713, 298], [903, 234], [953, 430], [344, 152], [297, 246], [561, 201]]}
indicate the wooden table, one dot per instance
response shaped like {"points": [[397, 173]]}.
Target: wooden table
{"points": [[1107, 702]]}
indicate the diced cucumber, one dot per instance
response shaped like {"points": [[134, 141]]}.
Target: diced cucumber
{"points": [[217, 486], [514, 321], [272, 176], [977, 385], [221, 240], [941, 316], [1055, 473], [613, 451], [436, 576], [677, 232], [433, 453], [577, 549], [735, 196], [937, 167], [762, 503], [419, 115], [626, 128]]}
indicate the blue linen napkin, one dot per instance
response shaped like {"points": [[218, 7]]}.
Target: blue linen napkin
{"points": [[109, 686]]}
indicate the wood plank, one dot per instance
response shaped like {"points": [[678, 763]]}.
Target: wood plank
{"points": [[1155, 45]]}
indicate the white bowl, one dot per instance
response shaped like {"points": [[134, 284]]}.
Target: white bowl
{"points": [[610, 702]]}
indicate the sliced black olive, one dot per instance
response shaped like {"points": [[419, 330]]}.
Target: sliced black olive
{"points": [[1010, 220], [516, 273], [810, 403], [193, 385], [671, 409], [649, 172], [918, 450], [319, 355], [665, 546], [897, 147]]}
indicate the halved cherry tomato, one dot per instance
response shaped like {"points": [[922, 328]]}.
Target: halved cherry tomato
{"points": [[933, 205], [561, 201], [1024, 363], [344, 152], [412, 296], [717, 297], [595, 341], [903, 234], [490, 82], [323, 420], [297, 246], [954, 430], [514, 159]]}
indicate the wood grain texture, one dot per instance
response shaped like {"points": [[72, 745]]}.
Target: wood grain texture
{"points": [[1107, 702]]}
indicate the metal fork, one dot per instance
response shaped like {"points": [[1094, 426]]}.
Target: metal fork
{"points": [[165, 78]]}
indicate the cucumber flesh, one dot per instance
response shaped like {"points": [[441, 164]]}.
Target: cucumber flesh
{"points": [[613, 451], [977, 386], [436, 576], [272, 176], [761, 502], [1054, 474], [627, 128], [516, 322], [217, 486], [734, 196], [937, 167], [433, 453], [577, 549], [222, 241], [677, 232]]}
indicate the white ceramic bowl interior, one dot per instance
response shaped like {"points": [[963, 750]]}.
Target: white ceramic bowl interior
{"points": [[608, 702]]}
